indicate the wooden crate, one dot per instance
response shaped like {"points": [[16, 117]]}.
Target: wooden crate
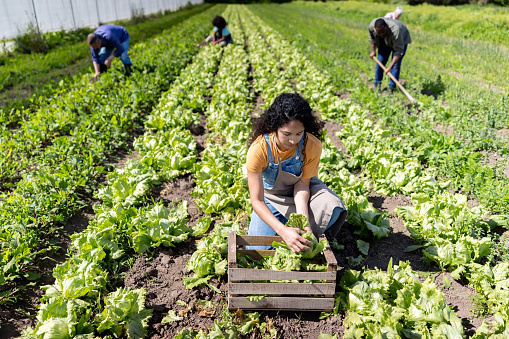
{"points": [[289, 296]]}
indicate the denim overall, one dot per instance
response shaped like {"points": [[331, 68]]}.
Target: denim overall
{"points": [[325, 207], [291, 166]]}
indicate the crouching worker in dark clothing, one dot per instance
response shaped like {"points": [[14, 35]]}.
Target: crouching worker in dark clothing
{"points": [[106, 43]]}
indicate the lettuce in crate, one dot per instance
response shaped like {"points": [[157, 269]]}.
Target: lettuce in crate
{"points": [[286, 260]]}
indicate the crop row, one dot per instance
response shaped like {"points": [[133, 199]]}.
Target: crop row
{"points": [[44, 198], [124, 224], [220, 185]]}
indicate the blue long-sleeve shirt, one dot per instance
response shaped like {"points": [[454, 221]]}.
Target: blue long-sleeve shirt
{"points": [[111, 37]]}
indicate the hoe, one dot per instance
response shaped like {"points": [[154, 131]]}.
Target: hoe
{"points": [[412, 100]]}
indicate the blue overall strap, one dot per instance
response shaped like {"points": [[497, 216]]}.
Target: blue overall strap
{"points": [[300, 147], [269, 148]]}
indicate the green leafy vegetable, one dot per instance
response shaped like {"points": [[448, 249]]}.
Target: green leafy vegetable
{"points": [[124, 314], [171, 317]]}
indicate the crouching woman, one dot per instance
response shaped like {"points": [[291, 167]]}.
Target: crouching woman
{"points": [[282, 164]]}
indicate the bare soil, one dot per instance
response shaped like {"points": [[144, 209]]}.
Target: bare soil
{"points": [[444, 129], [503, 134], [496, 161]]}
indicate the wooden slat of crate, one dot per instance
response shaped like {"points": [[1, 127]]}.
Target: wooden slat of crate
{"points": [[257, 240], [232, 251], [318, 289], [288, 301], [332, 264], [257, 254], [248, 274], [282, 303]]}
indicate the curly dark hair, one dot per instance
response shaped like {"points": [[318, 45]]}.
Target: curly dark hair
{"points": [[286, 107], [219, 22]]}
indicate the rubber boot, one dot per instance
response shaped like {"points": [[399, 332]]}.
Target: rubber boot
{"points": [[128, 69]]}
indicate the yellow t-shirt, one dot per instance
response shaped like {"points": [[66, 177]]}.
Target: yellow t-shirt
{"points": [[258, 156]]}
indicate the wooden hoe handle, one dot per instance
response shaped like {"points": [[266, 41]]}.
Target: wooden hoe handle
{"points": [[396, 81]]}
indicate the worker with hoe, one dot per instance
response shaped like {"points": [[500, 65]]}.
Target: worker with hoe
{"points": [[389, 36], [282, 164], [106, 43]]}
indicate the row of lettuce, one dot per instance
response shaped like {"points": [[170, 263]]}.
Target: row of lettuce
{"points": [[450, 233], [92, 122], [83, 301]]}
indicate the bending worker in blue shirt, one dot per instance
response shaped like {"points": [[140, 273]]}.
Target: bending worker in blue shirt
{"points": [[103, 42], [221, 34]]}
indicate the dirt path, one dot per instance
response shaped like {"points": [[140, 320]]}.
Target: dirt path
{"points": [[161, 273]]}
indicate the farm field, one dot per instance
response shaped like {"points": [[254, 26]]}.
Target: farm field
{"points": [[26, 79], [117, 196]]}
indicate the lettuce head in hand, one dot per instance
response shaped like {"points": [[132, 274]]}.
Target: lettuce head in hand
{"points": [[300, 221]]}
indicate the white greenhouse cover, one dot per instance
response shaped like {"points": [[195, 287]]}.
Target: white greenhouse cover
{"points": [[55, 15]]}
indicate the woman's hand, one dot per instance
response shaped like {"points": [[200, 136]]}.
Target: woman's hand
{"points": [[292, 238], [290, 235]]}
